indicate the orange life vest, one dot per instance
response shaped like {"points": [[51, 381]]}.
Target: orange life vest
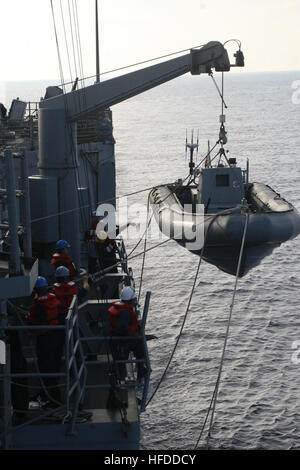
{"points": [[59, 259], [64, 292], [50, 304], [114, 313]]}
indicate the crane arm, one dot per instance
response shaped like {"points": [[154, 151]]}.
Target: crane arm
{"points": [[99, 96]]}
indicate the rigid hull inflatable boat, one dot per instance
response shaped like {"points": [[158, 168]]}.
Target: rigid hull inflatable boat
{"points": [[216, 202]]}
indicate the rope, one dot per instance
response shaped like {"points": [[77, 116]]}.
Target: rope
{"points": [[39, 219], [145, 248], [226, 211], [97, 203], [218, 89], [129, 257], [178, 185], [214, 398], [83, 215], [57, 44], [66, 41], [180, 333]]}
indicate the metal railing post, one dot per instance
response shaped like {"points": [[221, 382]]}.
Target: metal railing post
{"points": [[75, 362], [14, 262], [147, 377], [145, 311], [26, 214], [67, 360], [7, 419]]}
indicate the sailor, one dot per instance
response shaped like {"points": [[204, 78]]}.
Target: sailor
{"points": [[94, 222], [107, 251], [92, 244], [61, 257], [124, 322], [49, 344], [64, 289]]}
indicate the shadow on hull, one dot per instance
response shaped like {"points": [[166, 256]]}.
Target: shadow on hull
{"points": [[226, 258]]}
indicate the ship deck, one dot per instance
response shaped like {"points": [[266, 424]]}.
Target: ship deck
{"points": [[111, 425]]}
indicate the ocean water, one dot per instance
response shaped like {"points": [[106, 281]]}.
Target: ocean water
{"points": [[259, 401]]}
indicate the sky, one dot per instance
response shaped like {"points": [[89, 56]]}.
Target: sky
{"points": [[136, 30]]}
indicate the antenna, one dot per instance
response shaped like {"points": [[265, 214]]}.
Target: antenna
{"points": [[208, 160], [97, 44], [186, 141], [192, 147]]}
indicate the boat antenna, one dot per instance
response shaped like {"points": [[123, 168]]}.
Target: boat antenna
{"points": [[208, 160], [97, 44], [192, 147]]}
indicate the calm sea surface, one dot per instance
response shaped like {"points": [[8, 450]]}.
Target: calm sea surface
{"points": [[259, 399]]}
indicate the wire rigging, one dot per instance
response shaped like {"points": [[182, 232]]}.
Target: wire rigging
{"points": [[66, 40], [57, 45], [226, 211], [74, 26], [145, 247], [214, 398]]}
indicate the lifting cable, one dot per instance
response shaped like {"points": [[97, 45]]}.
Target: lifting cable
{"points": [[213, 402], [76, 33], [76, 47], [39, 219], [221, 93], [130, 257], [57, 45], [176, 186], [145, 247], [98, 203], [66, 40]]}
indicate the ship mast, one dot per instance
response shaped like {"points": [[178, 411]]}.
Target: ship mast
{"points": [[97, 44]]}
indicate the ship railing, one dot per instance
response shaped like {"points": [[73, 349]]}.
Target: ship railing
{"points": [[123, 255], [145, 360], [74, 374], [75, 367], [31, 111]]}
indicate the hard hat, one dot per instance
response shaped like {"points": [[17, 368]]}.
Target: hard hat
{"points": [[62, 271], [40, 282], [128, 293], [94, 213], [102, 235], [61, 244]]}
